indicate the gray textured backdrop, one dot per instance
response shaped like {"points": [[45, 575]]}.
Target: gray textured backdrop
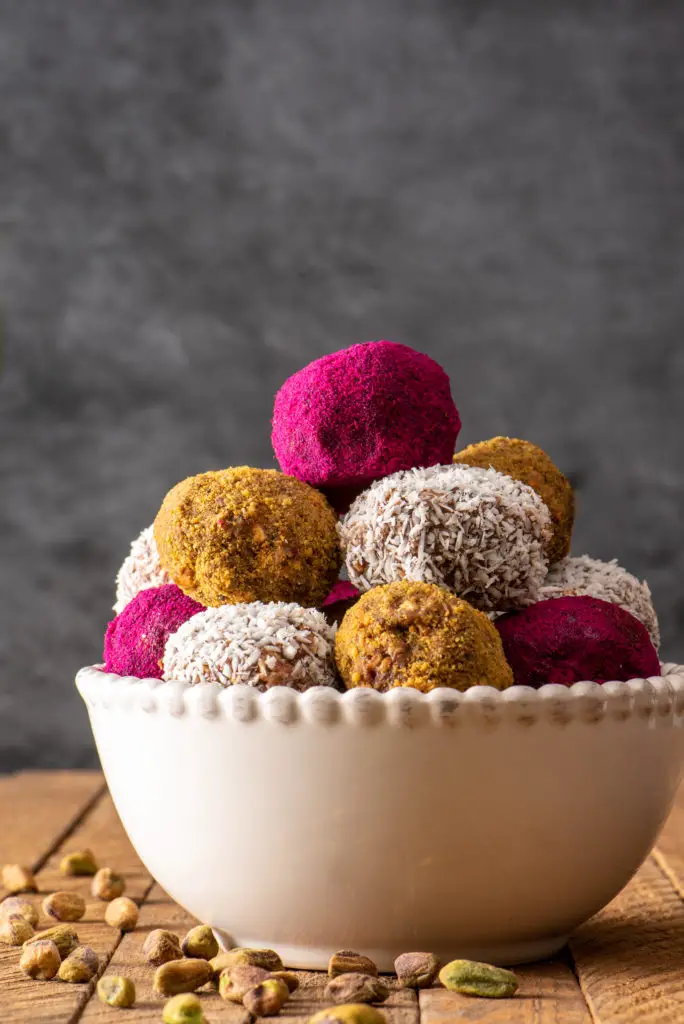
{"points": [[196, 199]]}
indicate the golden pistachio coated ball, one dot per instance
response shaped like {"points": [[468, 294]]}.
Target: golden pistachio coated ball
{"points": [[524, 461], [417, 634], [240, 535]]}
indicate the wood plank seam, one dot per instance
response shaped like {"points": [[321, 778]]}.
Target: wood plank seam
{"points": [[70, 827]]}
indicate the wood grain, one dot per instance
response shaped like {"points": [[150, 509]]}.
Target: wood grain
{"points": [[669, 852], [549, 994], [37, 809], [22, 1000], [629, 958]]}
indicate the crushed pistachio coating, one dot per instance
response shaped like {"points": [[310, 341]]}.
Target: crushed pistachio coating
{"points": [[239, 535], [417, 634], [524, 461]]}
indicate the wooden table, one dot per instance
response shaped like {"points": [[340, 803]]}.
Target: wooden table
{"points": [[627, 964]]}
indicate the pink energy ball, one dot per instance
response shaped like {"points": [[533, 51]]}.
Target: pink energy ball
{"points": [[341, 591], [568, 640], [363, 413], [136, 638]]}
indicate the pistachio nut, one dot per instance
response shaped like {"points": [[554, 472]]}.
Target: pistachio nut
{"points": [[475, 979], [181, 976], [351, 1013], [63, 936], [183, 1009], [267, 998], [14, 929], [416, 970], [346, 961], [122, 913], [235, 981], [19, 905], [80, 862], [356, 988], [115, 990], [80, 966], [40, 960], [16, 878], [64, 906], [161, 946], [200, 943], [107, 885]]}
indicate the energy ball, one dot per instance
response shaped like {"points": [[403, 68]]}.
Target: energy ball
{"points": [[261, 645], [576, 577], [241, 535], [477, 532], [568, 640], [363, 413], [135, 639], [340, 599], [419, 635], [141, 569], [524, 461]]}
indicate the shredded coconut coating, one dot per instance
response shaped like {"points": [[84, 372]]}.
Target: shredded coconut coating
{"points": [[419, 635], [242, 534], [477, 532], [608, 581], [261, 645], [524, 461], [141, 570]]}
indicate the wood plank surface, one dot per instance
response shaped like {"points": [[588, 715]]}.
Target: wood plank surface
{"points": [[630, 957], [54, 1002], [669, 853], [549, 994], [38, 808]]}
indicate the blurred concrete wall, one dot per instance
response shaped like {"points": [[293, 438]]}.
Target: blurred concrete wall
{"points": [[196, 199]]}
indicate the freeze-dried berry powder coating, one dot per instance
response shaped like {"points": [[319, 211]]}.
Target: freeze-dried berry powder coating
{"points": [[341, 598], [568, 640], [363, 413], [136, 638]]}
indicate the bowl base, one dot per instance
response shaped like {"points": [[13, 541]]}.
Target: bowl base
{"points": [[310, 958]]}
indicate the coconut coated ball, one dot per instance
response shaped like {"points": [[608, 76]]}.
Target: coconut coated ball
{"points": [[141, 569], [135, 639], [477, 532], [574, 577], [241, 535], [524, 461], [363, 413], [419, 635], [568, 640], [259, 645]]}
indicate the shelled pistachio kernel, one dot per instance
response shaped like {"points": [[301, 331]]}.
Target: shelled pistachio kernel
{"points": [[181, 976], [21, 906], [16, 878], [15, 930], [356, 988], [64, 906], [115, 990], [183, 1009], [107, 885], [235, 981], [267, 998], [80, 862], [352, 1013], [122, 913], [476, 979], [80, 966], [40, 960], [266, 958], [63, 936], [161, 946], [200, 943], [290, 979], [416, 970], [347, 961]]}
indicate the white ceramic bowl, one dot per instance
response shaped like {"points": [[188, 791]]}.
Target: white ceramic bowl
{"points": [[485, 824]]}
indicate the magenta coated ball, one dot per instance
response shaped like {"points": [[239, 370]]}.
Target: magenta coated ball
{"points": [[363, 413], [569, 640], [136, 638]]}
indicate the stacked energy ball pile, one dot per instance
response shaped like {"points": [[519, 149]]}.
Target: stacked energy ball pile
{"points": [[458, 567]]}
